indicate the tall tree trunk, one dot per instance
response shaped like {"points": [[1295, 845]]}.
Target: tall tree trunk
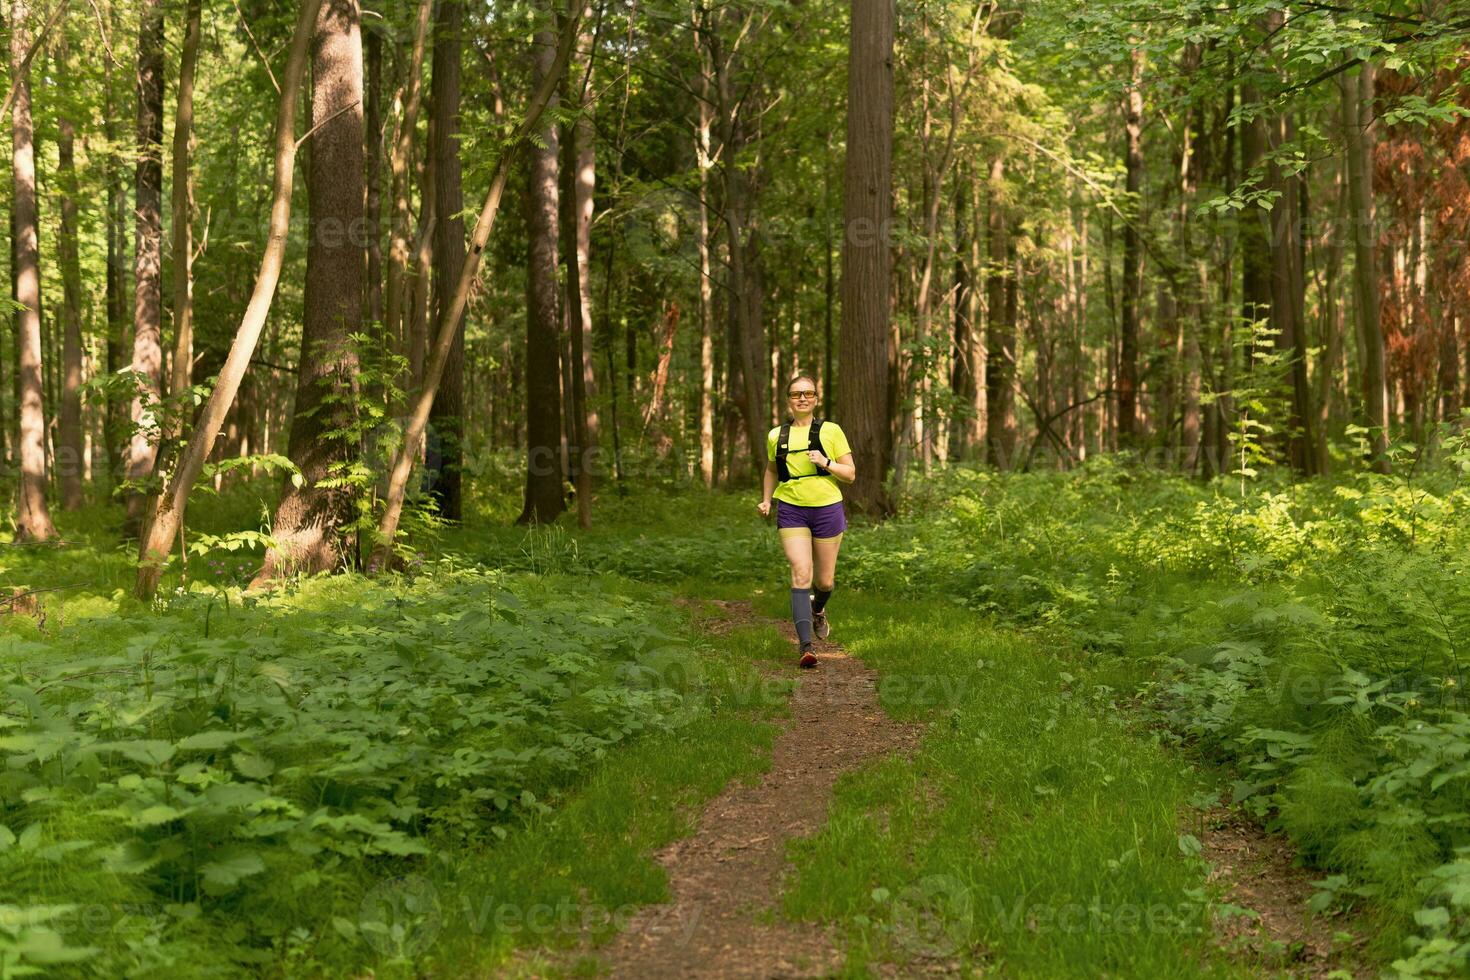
{"points": [[373, 135], [309, 517], [1255, 241], [1287, 287], [398, 291], [69, 455], [703, 162], [181, 375], [1358, 135], [447, 419], [1000, 330], [579, 171], [963, 374], [168, 515], [114, 436], [1128, 434], [866, 351], [147, 257], [33, 519], [543, 498]]}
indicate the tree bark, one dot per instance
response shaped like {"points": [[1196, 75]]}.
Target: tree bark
{"points": [[579, 171], [403, 464], [69, 454], [963, 377], [310, 516], [1255, 244], [447, 431], [866, 352], [702, 157], [373, 140], [1287, 288], [1358, 135], [181, 375], [1000, 330], [147, 258], [114, 436], [544, 498], [168, 515], [1128, 434], [399, 291], [33, 519]]}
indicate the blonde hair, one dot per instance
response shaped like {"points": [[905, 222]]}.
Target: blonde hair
{"points": [[802, 377]]}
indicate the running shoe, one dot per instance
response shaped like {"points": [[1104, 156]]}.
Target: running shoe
{"points": [[820, 627], [808, 659]]}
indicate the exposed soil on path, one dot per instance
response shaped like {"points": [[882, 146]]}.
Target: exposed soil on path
{"points": [[725, 879], [1258, 871]]}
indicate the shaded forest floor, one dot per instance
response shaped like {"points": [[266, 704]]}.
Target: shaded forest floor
{"points": [[489, 762]]}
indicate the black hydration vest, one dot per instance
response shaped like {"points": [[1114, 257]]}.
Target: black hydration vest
{"points": [[813, 441]]}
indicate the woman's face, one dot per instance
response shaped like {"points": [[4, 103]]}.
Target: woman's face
{"points": [[802, 396]]}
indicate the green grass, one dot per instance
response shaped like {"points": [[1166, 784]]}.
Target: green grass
{"points": [[1034, 832]]}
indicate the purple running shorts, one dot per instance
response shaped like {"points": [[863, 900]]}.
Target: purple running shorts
{"points": [[823, 522]]}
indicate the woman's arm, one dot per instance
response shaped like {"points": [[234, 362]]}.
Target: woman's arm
{"points": [[844, 469], [768, 487]]}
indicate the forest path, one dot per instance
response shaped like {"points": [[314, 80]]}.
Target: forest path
{"points": [[726, 878]]}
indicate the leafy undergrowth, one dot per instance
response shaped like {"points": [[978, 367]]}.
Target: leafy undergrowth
{"points": [[1311, 637], [1033, 834], [306, 782]]}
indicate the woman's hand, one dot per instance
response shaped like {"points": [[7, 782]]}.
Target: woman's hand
{"points": [[764, 507], [818, 458]]}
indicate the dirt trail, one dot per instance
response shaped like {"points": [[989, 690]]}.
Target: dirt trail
{"points": [[726, 878]]}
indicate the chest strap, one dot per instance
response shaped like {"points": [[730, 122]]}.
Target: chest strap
{"points": [[783, 449]]}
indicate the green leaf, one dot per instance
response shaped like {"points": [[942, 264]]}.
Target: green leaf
{"points": [[210, 741], [148, 752], [224, 873], [1435, 918], [253, 766]]}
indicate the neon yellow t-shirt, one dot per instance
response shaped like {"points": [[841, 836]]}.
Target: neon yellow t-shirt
{"points": [[810, 490]]}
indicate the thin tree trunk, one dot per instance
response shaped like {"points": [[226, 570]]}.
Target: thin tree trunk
{"points": [[117, 270], [33, 519], [373, 136], [1000, 331], [70, 460], [1286, 300], [168, 515], [963, 374], [543, 496], [653, 414], [398, 291], [866, 353], [706, 286], [1128, 429], [446, 439], [1358, 133], [448, 324], [579, 176], [310, 516], [181, 375], [147, 258]]}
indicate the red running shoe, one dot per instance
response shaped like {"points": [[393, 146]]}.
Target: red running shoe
{"points": [[808, 659]]}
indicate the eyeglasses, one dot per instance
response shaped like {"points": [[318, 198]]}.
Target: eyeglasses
{"points": [[801, 394]]}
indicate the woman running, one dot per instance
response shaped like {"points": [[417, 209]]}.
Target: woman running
{"points": [[805, 458]]}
